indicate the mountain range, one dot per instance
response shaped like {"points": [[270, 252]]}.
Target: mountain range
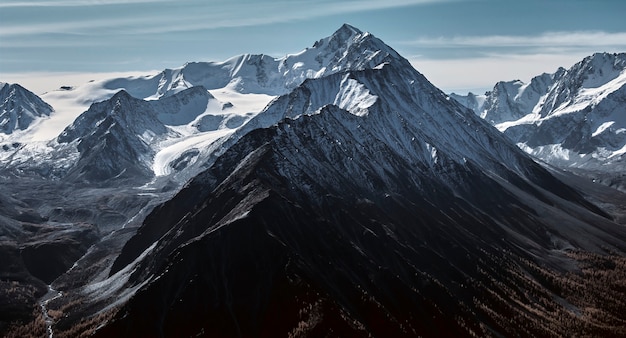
{"points": [[573, 119], [333, 192]]}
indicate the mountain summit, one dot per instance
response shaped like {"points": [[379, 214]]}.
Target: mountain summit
{"points": [[19, 108], [347, 48]]}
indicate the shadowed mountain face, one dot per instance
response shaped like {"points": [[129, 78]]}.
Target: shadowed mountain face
{"points": [[403, 215], [260, 256], [111, 138]]}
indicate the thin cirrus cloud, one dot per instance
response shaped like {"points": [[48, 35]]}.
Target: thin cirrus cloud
{"points": [[484, 60], [242, 14], [548, 40], [190, 15], [353, 4], [73, 3], [481, 73]]}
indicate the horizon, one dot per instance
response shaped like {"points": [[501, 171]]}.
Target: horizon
{"points": [[460, 46]]}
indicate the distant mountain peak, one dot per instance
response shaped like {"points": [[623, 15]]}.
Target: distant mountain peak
{"points": [[348, 27], [346, 37], [603, 57], [122, 94], [344, 34], [597, 69], [19, 107]]}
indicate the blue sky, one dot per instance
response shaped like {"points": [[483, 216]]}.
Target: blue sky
{"points": [[459, 45]]}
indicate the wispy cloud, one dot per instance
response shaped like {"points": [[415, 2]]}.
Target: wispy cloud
{"points": [[42, 82], [338, 7], [188, 15], [548, 39], [72, 3], [481, 73], [349, 5]]}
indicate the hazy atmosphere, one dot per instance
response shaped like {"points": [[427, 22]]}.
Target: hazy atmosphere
{"points": [[459, 45]]}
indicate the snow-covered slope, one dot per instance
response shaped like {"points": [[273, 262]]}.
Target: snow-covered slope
{"points": [[262, 74], [574, 119], [19, 108], [120, 136], [240, 88], [361, 92]]}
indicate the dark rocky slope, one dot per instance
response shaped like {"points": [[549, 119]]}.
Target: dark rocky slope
{"points": [[323, 225]]}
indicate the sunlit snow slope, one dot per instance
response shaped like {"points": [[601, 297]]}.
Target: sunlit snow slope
{"points": [[239, 88]]}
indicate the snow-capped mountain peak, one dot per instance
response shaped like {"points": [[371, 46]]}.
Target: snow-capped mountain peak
{"points": [[573, 118], [341, 39], [347, 48], [582, 79], [599, 68], [19, 108]]}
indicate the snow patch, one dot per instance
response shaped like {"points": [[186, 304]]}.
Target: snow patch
{"points": [[167, 155], [618, 152], [380, 66], [433, 152], [354, 97], [604, 126], [550, 152]]}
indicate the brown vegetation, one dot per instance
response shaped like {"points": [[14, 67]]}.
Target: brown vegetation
{"points": [[36, 328], [526, 299], [86, 327]]}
